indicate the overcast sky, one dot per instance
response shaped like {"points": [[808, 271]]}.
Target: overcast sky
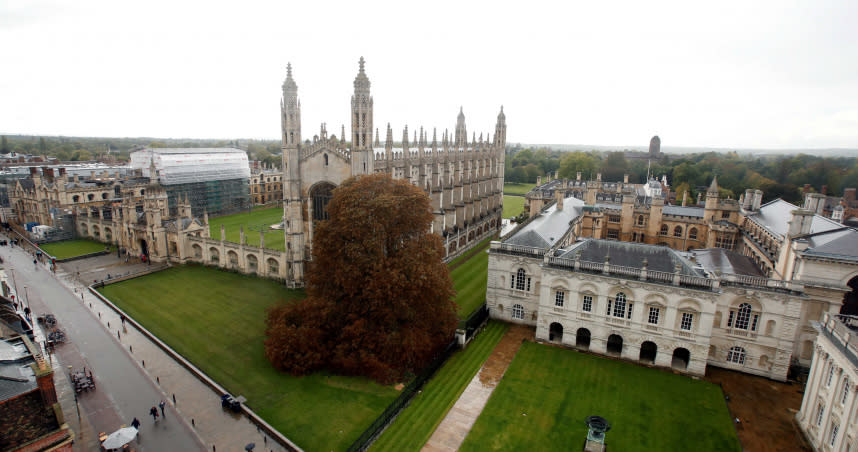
{"points": [[742, 74]]}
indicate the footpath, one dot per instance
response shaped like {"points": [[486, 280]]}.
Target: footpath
{"points": [[450, 434]]}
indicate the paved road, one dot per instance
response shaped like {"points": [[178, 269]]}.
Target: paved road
{"points": [[123, 389]]}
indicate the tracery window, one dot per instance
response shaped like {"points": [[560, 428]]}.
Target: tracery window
{"points": [[692, 234], [677, 231]]}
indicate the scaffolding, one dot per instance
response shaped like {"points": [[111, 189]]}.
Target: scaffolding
{"points": [[214, 180]]}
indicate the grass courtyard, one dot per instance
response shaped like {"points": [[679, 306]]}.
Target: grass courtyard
{"points": [[73, 248], [515, 188], [513, 206], [547, 393], [259, 219], [416, 423], [216, 320], [469, 279]]}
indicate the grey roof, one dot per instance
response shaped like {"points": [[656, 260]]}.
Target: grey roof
{"points": [[549, 226], [840, 244], [629, 254], [683, 211], [723, 261], [775, 216], [193, 150], [16, 376]]}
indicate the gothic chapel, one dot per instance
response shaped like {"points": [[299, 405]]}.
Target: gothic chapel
{"points": [[464, 178]]}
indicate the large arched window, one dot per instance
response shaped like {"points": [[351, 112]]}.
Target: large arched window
{"points": [[677, 231], [518, 311], [619, 306], [321, 195], [743, 318], [692, 233], [520, 281], [736, 355], [663, 230]]}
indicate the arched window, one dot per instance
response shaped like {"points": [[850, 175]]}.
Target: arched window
{"points": [[520, 281], [326, 159], [677, 231], [692, 234], [75, 198], [321, 195], [90, 196], [736, 355], [663, 229], [743, 318], [844, 393], [619, 306], [640, 220], [830, 377], [518, 311], [104, 196]]}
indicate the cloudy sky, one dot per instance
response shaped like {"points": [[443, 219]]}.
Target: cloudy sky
{"points": [[761, 74]]}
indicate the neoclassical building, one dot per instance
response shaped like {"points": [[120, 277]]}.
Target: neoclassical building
{"points": [[463, 177], [673, 308], [829, 407]]}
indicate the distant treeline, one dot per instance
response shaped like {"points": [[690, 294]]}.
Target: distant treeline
{"points": [[777, 176], [71, 149]]}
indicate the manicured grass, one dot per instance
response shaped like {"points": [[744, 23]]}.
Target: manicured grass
{"points": [[416, 423], [512, 206], [513, 188], [469, 280], [73, 248], [547, 393], [217, 320], [257, 220]]}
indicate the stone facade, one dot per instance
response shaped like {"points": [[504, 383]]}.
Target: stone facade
{"points": [[711, 306], [463, 177], [827, 415], [266, 187]]}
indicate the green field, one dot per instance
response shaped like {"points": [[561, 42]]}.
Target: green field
{"points": [[257, 220], [513, 188], [73, 248], [513, 206], [416, 423], [547, 393], [469, 280], [216, 320]]}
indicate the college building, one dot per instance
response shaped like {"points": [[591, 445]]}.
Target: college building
{"points": [[743, 297]]}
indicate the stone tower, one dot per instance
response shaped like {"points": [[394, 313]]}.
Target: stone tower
{"points": [[461, 137], [655, 146], [361, 124], [290, 108]]}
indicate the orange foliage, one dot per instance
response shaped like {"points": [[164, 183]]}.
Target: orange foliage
{"points": [[379, 296]]}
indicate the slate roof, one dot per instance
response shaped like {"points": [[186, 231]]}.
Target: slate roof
{"points": [[686, 211], [549, 226], [629, 254], [723, 261], [775, 216], [839, 244], [16, 376]]}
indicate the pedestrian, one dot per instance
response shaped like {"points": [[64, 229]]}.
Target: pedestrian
{"points": [[136, 423], [162, 405], [122, 318], [154, 412]]}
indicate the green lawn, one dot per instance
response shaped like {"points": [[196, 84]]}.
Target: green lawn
{"points": [[416, 423], [512, 206], [469, 280], [514, 188], [257, 220], [216, 320], [73, 248], [547, 393]]}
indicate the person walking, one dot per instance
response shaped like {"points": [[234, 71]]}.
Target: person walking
{"points": [[154, 412], [136, 423], [161, 406]]}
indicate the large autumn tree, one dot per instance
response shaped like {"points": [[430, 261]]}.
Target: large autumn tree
{"points": [[379, 298]]}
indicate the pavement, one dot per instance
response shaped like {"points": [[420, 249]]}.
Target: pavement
{"points": [[132, 373]]}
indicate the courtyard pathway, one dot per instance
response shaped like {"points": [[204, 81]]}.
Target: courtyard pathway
{"points": [[455, 427]]}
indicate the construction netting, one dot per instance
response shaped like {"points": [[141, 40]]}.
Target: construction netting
{"points": [[191, 165]]}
